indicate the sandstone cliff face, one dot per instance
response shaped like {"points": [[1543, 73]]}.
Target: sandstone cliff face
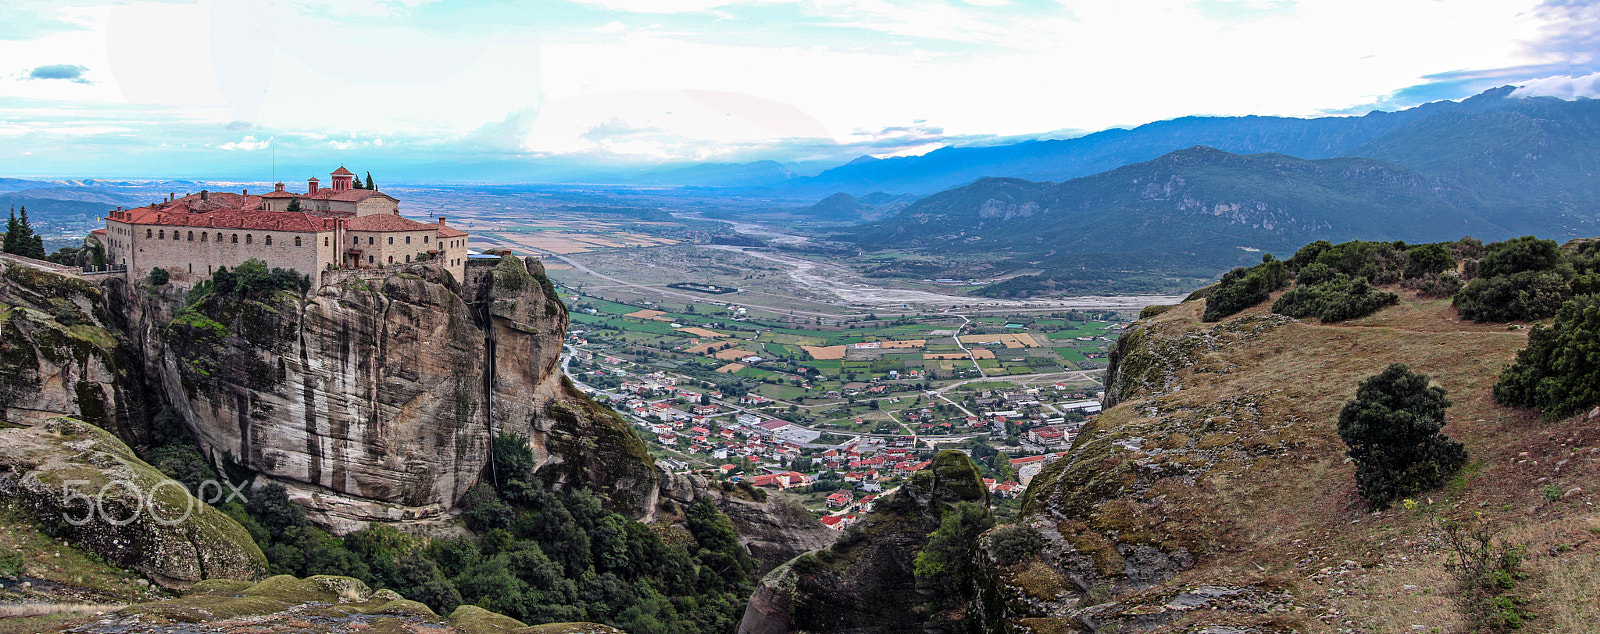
{"points": [[61, 353], [865, 582], [375, 397]]}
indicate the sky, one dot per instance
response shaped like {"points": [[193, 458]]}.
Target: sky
{"points": [[474, 89]]}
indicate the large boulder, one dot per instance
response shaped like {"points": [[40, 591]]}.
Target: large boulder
{"points": [[85, 481]]}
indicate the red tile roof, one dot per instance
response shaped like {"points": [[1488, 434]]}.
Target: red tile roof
{"points": [[386, 222], [233, 219], [450, 232], [343, 172]]}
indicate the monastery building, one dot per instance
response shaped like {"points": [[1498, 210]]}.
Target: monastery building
{"points": [[339, 227]]}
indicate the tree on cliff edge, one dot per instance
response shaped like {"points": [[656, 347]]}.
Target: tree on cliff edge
{"points": [[20, 238], [1392, 428]]}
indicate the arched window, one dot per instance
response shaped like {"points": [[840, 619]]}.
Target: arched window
{"points": [[268, 240], [369, 240], [408, 239], [424, 239], [391, 239], [369, 259], [408, 258], [325, 241], [203, 236], [297, 240], [219, 236], [236, 238], [247, 238], [163, 235], [191, 239], [391, 259], [148, 233]]}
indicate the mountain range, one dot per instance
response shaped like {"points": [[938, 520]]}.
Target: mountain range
{"points": [[1493, 166]]}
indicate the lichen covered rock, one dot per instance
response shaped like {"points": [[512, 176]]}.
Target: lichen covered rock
{"points": [[81, 478], [313, 604]]}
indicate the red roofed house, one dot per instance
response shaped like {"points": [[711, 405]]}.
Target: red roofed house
{"points": [[780, 480], [337, 227], [839, 499], [835, 522]]}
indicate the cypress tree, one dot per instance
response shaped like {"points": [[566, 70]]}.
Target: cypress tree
{"points": [[369, 182]]}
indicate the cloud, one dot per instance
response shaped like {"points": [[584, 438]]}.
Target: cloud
{"points": [[69, 72], [1562, 86], [248, 144]]}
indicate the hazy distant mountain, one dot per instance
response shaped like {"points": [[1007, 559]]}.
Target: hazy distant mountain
{"points": [[844, 207], [756, 174], [1437, 138], [1192, 212]]}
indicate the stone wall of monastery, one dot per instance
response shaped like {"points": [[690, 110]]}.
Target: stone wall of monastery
{"points": [[376, 245], [197, 252]]}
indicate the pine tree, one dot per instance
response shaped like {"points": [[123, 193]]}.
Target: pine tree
{"points": [[20, 239], [369, 182], [294, 205], [355, 183], [11, 233]]}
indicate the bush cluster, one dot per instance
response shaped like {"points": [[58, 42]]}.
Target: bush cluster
{"points": [[1242, 288], [1015, 544], [1557, 372], [1527, 278], [1332, 299]]}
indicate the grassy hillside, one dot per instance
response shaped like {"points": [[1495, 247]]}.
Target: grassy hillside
{"points": [[1217, 491]]}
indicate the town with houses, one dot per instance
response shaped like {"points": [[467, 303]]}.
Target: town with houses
{"points": [[747, 438]]}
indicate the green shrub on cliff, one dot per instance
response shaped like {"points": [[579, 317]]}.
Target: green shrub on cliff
{"points": [[1335, 299], [1392, 427], [1558, 371], [945, 567], [1242, 288], [1528, 278]]}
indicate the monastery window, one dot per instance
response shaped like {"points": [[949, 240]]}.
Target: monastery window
{"points": [[236, 238], [424, 239], [163, 235], [391, 239], [408, 239], [191, 239], [391, 259], [408, 258], [297, 240], [219, 236], [203, 236], [325, 241], [369, 259], [268, 241], [148, 233], [369, 240]]}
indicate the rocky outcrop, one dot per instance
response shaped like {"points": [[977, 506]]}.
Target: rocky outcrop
{"points": [[86, 482], [1216, 472], [313, 604], [771, 526], [375, 396], [61, 353], [865, 582]]}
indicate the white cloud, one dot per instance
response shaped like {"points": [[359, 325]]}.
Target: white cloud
{"points": [[1563, 86], [248, 144]]}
